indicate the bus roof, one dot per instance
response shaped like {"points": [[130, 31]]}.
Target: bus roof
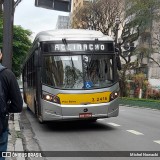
{"points": [[71, 34]]}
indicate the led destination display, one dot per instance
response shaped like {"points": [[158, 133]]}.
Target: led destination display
{"points": [[78, 47]]}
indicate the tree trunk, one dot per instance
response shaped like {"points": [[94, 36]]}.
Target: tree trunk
{"points": [[123, 84]]}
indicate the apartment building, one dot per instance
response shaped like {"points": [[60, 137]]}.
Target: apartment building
{"points": [[62, 22], [155, 44], [150, 41], [76, 5]]}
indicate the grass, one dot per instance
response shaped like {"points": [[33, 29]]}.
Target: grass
{"points": [[148, 103]]}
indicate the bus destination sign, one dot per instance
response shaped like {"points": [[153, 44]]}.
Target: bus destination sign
{"points": [[77, 47]]}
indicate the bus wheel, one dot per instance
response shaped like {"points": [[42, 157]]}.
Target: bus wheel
{"points": [[92, 120]]}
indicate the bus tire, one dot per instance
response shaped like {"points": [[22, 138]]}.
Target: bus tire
{"points": [[92, 120]]}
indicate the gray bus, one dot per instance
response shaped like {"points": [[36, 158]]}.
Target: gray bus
{"points": [[72, 75]]}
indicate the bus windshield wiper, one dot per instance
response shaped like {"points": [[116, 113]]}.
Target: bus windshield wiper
{"points": [[65, 43]]}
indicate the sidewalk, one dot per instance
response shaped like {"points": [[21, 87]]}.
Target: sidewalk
{"points": [[14, 139]]}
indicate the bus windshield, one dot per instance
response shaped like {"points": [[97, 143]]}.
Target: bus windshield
{"points": [[78, 71]]}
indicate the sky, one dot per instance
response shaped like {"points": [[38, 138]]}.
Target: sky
{"points": [[34, 18]]}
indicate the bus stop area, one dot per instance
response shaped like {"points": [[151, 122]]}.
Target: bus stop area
{"points": [[21, 141]]}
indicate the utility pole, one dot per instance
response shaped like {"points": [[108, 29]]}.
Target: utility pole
{"points": [[8, 14], [1, 2], [117, 22]]}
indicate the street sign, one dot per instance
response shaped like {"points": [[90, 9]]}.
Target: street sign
{"points": [[60, 5]]}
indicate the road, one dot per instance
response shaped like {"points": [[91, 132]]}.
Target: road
{"points": [[135, 129]]}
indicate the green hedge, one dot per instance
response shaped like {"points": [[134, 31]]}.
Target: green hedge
{"points": [[148, 103]]}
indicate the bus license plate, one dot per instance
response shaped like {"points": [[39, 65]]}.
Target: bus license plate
{"points": [[85, 115]]}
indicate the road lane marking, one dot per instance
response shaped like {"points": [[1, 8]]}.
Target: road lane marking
{"points": [[114, 124], [135, 132], [158, 141]]}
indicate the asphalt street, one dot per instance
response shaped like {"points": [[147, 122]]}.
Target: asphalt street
{"points": [[135, 129]]}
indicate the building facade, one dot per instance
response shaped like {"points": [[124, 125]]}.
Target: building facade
{"points": [[75, 7], [155, 54], [63, 22], [149, 57]]}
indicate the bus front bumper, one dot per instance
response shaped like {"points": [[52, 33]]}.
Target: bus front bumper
{"points": [[56, 112]]}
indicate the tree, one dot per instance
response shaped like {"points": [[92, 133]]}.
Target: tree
{"points": [[101, 15], [21, 45], [136, 17], [98, 15], [139, 15]]}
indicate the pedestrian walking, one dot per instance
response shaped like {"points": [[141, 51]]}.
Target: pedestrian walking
{"points": [[10, 102]]}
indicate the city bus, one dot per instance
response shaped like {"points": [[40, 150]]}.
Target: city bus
{"points": [[72, 74]]}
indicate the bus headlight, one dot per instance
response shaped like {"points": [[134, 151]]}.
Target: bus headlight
{"points": [[114, 95], [51, 98]]}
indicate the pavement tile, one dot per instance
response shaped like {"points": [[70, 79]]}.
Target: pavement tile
{"points": [[14, 141]]}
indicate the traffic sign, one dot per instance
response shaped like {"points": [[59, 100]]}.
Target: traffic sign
{"points": [[60, 5]]}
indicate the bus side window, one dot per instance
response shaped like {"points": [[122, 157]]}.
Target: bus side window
{"points": [[37, 59], [106, 68]]}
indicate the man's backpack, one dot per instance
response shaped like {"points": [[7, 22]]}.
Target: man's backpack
{"points": [[3, 106]]}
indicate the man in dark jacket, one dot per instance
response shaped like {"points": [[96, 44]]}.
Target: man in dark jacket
{"points": [[13, 99]]}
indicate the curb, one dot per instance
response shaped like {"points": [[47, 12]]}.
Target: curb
{"points": [[18, 142], [140, 107], [14, 138]]}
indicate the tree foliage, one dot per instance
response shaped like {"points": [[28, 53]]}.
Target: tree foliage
{"points": [[98, 15], [142, 12], [21, 45], [136, 17]]}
